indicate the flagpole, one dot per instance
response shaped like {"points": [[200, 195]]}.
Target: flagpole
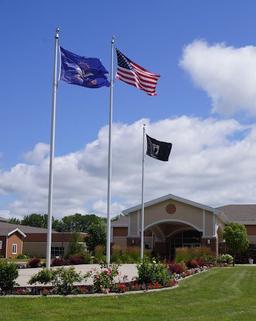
{"points": [[52, 147], [108, 249], [142, 196]]}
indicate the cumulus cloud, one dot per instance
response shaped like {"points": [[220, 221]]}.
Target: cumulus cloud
{"points": [[39, 153], [226, 73], [212, 161]]}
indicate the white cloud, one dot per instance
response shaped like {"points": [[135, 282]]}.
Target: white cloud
{"points": [[212, 161], [39, 153], [226, 73]]}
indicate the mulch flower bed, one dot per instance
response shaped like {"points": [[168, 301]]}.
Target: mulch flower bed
{"points": [[122, 287]]}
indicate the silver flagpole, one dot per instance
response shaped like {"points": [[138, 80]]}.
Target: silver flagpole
{"points": [[52, 146], [110, 153], [142, 196]]}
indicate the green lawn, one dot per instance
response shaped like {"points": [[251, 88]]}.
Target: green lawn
{"points": [[217, 295]]}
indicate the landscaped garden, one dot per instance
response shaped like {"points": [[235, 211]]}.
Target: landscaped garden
{"points": [[151, 274], [220, 294]]}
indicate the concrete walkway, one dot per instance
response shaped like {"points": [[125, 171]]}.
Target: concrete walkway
{"points": [[129, 271]]}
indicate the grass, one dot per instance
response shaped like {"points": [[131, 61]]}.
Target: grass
{"points": [[222, 294]]}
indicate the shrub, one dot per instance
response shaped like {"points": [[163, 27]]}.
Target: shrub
{"points": [[22, 257], [76, 245], [88, 259], [185, 254], [8, 275], [103, 280], [58, 261], [177, 268], [99, 254], [225, 259], [76, 259], [116, 255], [152, 272], [201, 262], [34, 263], [191, 264], [43, 277], [134, 253], [62, 279]]}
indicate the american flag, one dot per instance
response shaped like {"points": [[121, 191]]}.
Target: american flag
{"points": [[133, 74]]}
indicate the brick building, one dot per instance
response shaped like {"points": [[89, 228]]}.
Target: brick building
{"points": [[21, 239], [172, 221]]}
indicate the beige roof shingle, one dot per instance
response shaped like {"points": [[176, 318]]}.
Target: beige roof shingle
{"points": [[240, 213]]}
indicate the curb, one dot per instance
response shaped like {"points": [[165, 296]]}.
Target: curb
{"points": [[93, 295]]}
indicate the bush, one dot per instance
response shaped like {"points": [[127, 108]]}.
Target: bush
{"points": [[34, 263], [225, 259], [116, 254], [201, 262], [177, 268], [43, 277], [130, 255], [191, 264], [22, 257], [133, 254], [8, 275], [59, 262], [151, 272], [62, 279], [99, 254], [103, 280], [77, 244], [185, 254], [76, 259]]}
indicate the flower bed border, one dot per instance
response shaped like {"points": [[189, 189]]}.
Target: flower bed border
{"points": [[93, 294]]}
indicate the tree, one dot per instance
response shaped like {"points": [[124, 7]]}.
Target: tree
{"points": [[14, 220], [76, 245], [96, 235], [91, 224], [36, 220], [236, 238]]}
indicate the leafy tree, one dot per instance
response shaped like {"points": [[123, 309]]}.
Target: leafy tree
{"points": [[36, 220], [14, 220], [58, 225], [79, 222], [236, 238], [96, 235], [91, 224], [76, 246]]}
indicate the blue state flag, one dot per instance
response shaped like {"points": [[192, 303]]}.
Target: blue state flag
{"points": [[82, 71]]}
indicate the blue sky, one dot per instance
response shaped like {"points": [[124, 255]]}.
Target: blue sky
{"points": [[153, 34]]}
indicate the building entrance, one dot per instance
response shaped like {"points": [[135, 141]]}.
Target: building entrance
{"points": [[189, 238]]}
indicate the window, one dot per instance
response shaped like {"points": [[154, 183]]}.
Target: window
{"points": [[1, 245], [57, 251], [14, 249]]}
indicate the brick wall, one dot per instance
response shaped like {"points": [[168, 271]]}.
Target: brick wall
{"points": [[17, 239]]}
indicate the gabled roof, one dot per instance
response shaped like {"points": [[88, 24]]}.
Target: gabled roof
{"points": [[239, 213], [5, 226], [166, 198], [16, 230], [9, 230]]}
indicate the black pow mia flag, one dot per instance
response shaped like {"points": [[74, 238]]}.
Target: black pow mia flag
{"points": [[157, 149]]}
